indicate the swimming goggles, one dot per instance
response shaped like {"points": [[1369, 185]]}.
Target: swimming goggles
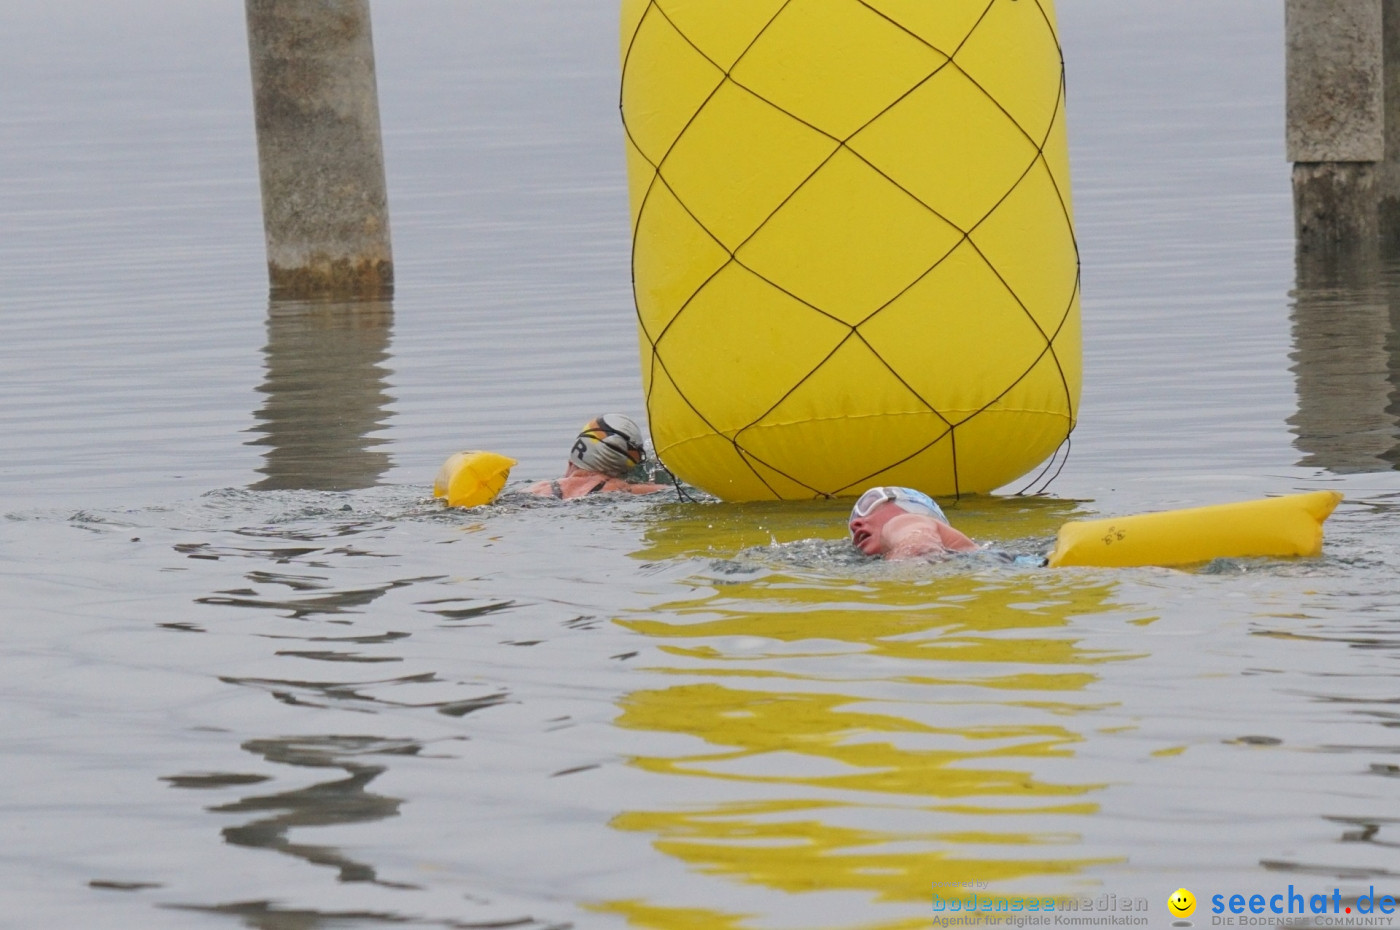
{"points": [[906, 499]]}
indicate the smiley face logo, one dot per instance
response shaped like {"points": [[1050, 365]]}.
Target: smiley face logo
{"points": [[1182, 903]]}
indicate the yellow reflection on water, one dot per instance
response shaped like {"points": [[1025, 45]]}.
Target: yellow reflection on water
{"points": [[867, 733], [800, 855], [642, 914], [752, 724], [962, 618], [708, 529]]}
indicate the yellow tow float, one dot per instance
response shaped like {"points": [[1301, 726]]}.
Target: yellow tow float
{"points": [[1278, 526], [470, 479]]}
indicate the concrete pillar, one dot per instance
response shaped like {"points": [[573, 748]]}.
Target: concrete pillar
{"points": [[1390, 182], [1337, 126], [321, 162]]}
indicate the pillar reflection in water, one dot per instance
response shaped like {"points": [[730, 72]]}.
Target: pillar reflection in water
{"points": [[325, 395], [1346, 355], [868, 734], [334, 802]]}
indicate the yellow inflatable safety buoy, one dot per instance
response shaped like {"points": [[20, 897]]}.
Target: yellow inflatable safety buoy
{"points": [[1276, 526], [854, 259], [470, 479]]}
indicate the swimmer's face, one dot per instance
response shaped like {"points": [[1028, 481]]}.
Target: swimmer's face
{"points": [[865, 531]]}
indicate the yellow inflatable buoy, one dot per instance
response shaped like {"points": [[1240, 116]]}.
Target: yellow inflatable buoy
{"points": [[470, 479], [1276, 526], [854, 259]]}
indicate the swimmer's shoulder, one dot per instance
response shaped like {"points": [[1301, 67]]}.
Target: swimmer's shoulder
{"points": [[584, 483]]}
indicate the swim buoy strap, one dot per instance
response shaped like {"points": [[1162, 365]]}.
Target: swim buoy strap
{"points": [[1278, 526]]}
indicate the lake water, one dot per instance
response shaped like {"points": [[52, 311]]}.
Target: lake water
{"points": [[253, 676]]}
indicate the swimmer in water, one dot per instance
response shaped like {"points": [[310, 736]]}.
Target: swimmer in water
{"points": [[902, 523], [602, 455]]}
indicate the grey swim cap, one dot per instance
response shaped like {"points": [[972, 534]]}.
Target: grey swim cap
{"points": [[610, 444]]}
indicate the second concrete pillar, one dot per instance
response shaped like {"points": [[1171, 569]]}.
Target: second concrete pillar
{"points": [[1336, 120]]}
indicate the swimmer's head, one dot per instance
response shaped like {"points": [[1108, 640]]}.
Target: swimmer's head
{"points": [[906, 499], [610, 444]]}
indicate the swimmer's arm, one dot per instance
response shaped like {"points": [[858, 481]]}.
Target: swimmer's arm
{"points": [[955, 539], [645, 488], [580, 485], [912, 536]]}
